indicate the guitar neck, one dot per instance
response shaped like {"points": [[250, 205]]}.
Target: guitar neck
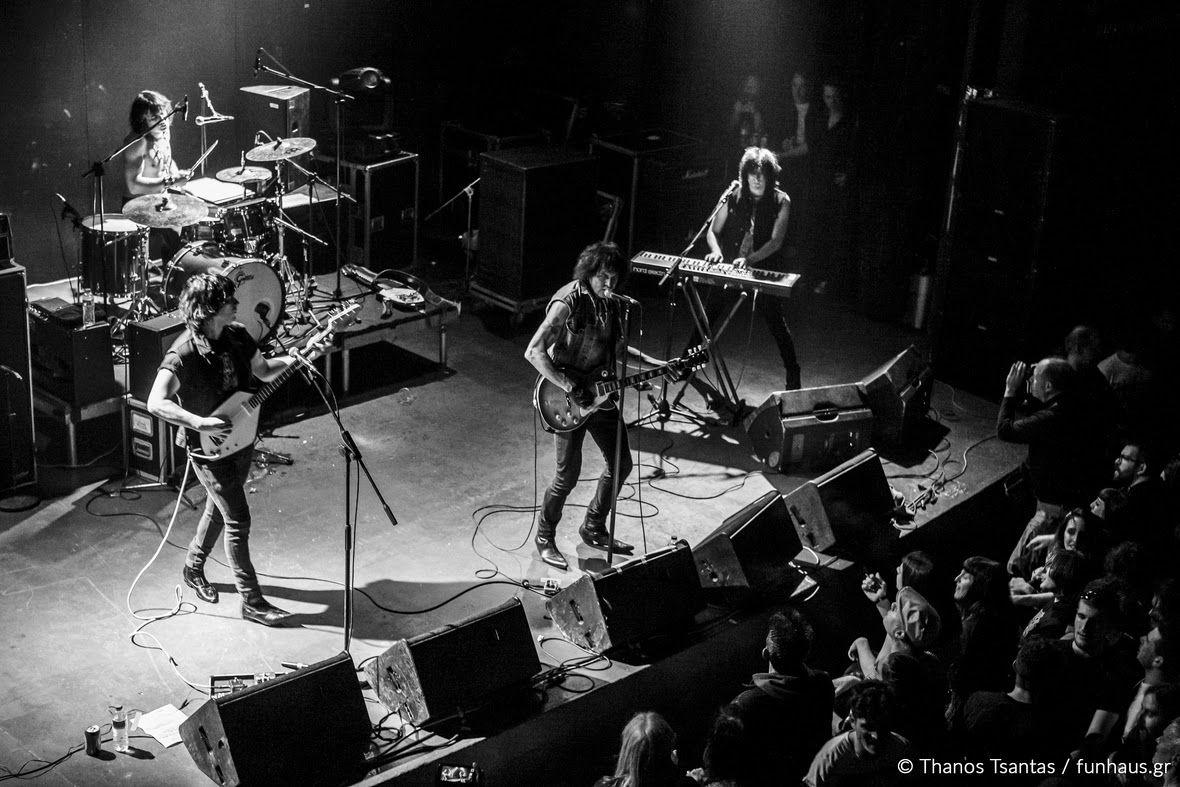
{"points": [[611, 386], [263, 393]]}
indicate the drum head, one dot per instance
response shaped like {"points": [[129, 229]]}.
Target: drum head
{"points": [[260, 294]]}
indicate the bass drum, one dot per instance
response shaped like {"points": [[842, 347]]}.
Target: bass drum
{"points": [[260, 294]]}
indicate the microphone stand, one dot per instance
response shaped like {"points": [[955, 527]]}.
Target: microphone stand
{"points": [[339, 99], [620, 373], [351, 452], [312, 180], [98, 202], [469, 190]]}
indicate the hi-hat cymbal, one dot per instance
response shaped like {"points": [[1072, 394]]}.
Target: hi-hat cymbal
{"points": [[165, 210], [243, 174], [280, 149]]}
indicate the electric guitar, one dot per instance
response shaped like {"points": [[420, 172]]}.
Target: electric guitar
{"points": [[241, 408], [560, 413]]}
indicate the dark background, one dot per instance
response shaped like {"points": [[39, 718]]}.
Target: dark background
{"points": [[1105, 68]]}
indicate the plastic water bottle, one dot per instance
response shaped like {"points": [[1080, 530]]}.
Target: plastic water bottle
{"points": [[87, 307], [405, 396], [119, 728]]}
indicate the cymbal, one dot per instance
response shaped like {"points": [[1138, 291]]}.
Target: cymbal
{"points": [[165, 210], [243, 174], [280, 149]]}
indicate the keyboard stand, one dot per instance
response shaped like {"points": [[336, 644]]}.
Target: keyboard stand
{"points": [[727, 401]]}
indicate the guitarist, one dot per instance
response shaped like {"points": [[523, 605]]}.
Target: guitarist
{"points": [[581, 332], [214, 358]]}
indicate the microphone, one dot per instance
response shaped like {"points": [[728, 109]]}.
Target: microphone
{"points": [[11, 371], [67, 209], [737, 184], [184, 119], [624, 298], [258, 62], [262, 310]]}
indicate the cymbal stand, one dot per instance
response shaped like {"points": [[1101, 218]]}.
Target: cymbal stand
{"points": [[339, 99], [141, 305], [312, 180], [98, 203]]}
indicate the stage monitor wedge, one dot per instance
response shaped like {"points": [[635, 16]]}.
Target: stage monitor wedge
{"points": [[306, 727], [456, 667], [659, 592], [898, 393], [751, 552], [810, 429], [847, 511]]}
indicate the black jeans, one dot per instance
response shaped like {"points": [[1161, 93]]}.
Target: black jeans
{"points": [[226, 509], [771, 309], [601, 426]]}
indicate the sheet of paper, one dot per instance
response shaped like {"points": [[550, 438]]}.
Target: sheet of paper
{"points": [[163, 724]]}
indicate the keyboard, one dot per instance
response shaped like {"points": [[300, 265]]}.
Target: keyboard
{"points": [[716, 273]]}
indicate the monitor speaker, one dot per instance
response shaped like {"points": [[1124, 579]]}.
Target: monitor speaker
{"points": [[846, 511], [655, 593], [810, 429], [898, 393], [307, 727], [751, 551], [456, 667]]}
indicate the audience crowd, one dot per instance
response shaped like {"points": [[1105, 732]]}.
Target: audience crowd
{"points": [[1060, 666]]}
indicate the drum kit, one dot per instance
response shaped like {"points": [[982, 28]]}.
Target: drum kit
{"points": [[235, 240]]}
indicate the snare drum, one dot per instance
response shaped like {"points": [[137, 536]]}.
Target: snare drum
{"points": [[260, 294], [113, 253], [247, 227]]}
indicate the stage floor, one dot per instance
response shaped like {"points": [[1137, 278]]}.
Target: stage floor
{"points": [[461, 462]]}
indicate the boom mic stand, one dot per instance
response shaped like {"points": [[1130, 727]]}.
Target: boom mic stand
{"points": [[468, 190], [339, 98], [351, 452]]}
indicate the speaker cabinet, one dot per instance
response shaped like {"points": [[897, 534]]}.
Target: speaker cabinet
{"points": [[846, 511], [18, 461], [6, 253], [147, 343], [751, 552], [71, 361], [282, 111], [306, 727], [898, 393], [537, 211], [655, 593], [664, 179], [1002, 257], [810, 429], [456, 667]]}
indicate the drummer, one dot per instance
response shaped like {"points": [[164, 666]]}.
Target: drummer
{"points": [[148, 167]]}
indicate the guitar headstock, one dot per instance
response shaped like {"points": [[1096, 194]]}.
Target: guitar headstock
{"points": [[345, 315], [693, 359]]}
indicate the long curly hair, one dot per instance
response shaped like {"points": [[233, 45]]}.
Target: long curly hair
{"points": [[202, 297]]}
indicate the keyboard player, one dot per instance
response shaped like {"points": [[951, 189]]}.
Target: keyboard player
{"points": [[749, 229]]}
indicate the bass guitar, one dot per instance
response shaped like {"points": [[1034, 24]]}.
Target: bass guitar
{"points": [[242, 408], [560, 413]]}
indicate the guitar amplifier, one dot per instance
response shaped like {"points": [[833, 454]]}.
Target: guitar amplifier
{"points": [[70, 361]]}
